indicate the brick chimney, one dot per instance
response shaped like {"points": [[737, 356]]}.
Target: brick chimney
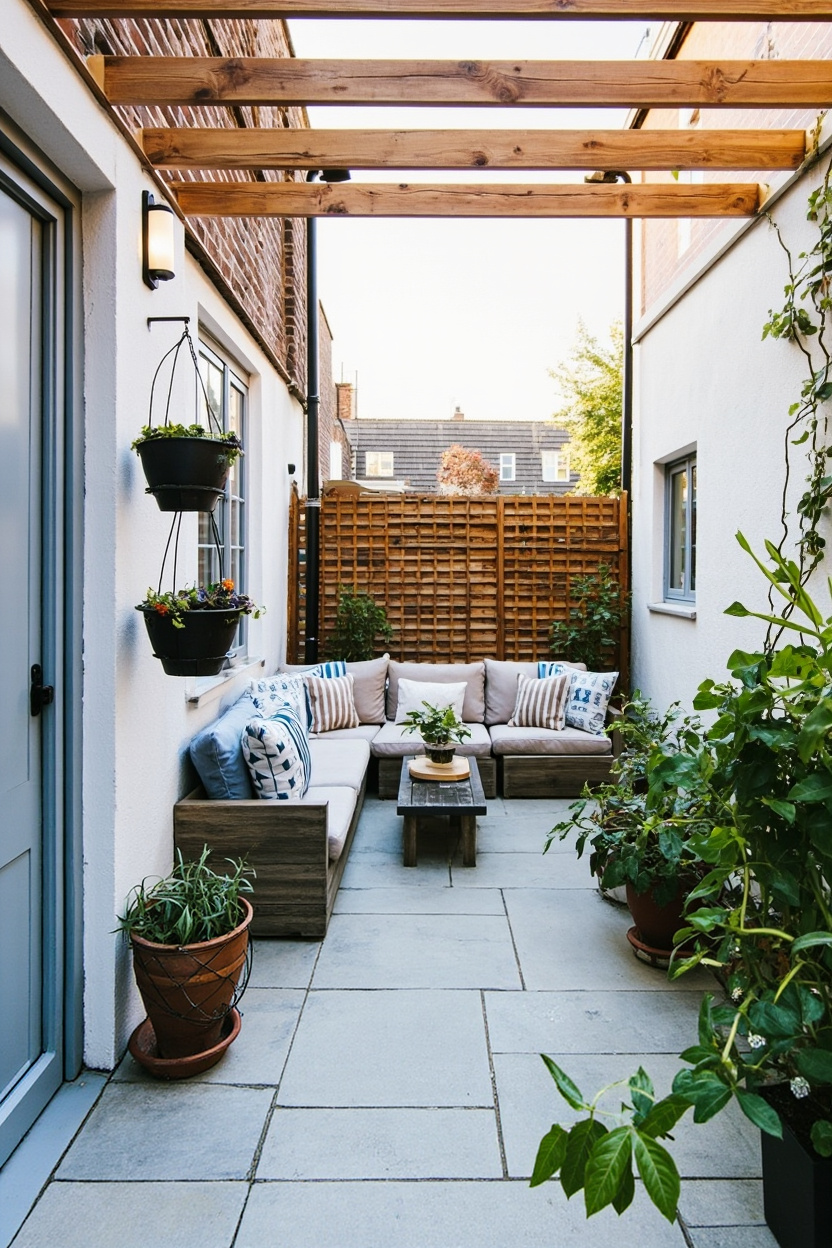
{"points": [[458, 413], [344, 396]]}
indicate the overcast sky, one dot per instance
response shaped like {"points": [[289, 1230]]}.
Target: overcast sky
{"points": [[431, 314]]}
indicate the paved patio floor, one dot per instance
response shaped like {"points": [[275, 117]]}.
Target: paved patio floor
{"points": [[386, 1088]]}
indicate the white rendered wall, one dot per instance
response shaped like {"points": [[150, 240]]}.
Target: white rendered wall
{"points": [[705, 378], [137, 722]]}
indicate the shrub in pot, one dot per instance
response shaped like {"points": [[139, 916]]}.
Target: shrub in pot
{"points": [[763, 923], [359, 623], [189, 934], [191, 630], [439, 728]]}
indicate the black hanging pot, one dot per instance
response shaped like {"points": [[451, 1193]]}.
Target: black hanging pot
{"points": [[186, 474], [197, 649]]}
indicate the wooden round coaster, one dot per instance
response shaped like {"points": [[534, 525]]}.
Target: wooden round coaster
{"points": [[423, 769]]}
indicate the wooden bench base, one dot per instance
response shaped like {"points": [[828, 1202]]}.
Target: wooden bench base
{"points": [[286, 844], [390, 770], [536, 775]]}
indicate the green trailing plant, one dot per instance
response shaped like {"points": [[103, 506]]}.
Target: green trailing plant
{"points": [[640, 835], [591, 633], [192, 904], [359, 623], [437, 726], [230, 442], [217, 596], [760, 820], [591, 382]]}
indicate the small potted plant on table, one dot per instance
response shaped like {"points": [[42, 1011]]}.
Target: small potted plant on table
{"points": [[190, 938], [439, 728]]}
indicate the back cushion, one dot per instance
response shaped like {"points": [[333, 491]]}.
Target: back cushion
{"points": [[473, 709], [218, 758], [370, 679], [501, 686]]}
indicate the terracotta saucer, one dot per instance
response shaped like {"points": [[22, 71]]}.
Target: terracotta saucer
{"points": [[142, 1046], [647, 953]]}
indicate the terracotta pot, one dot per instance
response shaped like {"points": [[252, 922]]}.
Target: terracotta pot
{"points": [[657, 925], [440, 753], [188, 990], [198, 649]]}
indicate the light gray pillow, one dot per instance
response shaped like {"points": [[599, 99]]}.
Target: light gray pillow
{"points": [[368, 691]]}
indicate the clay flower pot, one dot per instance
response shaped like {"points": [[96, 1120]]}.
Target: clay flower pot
{"points": [[188, 991], [657, 925]]}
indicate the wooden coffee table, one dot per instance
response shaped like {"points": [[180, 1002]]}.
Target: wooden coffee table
{"points": [[461, 800]]}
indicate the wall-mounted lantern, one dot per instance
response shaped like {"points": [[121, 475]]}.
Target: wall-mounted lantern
{"points": [[158, 241]]}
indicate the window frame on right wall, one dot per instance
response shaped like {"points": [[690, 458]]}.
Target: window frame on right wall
{"points": [[680, 488]]}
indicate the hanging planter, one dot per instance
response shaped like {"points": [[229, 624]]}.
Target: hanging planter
{"points": [[192, 630], [186, 466]]}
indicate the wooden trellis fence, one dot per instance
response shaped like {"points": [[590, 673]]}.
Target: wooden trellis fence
{"points": [[460, 578]]}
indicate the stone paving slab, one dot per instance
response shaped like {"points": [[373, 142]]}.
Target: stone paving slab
{"points": [[732, 1237], [169, 1131], [258, 1055], [389, 1048], [134, 1215], [575, 939], [283, 963], [413, 900], [726, 1147], [521, 870], [723, 1202], [379, 870], [592, 1022], [525, 834], [441, 1215], [381, 1144], [417, 951]]}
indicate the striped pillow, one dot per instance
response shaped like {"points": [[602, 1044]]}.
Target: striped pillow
{"points": [[277, 755], [335, 667], [541, 703], [331, 702]]}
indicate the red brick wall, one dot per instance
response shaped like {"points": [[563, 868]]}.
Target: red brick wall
{"points": [[662, 261], [260, 262]]}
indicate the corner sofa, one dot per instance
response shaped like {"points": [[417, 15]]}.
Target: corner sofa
{"points": [[299, 848]]}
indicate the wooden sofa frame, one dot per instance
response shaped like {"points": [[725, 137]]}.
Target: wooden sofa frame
{"points": [[558, 775], [286, 844]]}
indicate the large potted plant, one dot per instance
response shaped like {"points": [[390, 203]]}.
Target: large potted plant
{"points": [[190, 937], [191, 630], [763, 923], [439, 728]]}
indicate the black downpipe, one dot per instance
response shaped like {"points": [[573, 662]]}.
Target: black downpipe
{"points": [[313, 489], [627, 379]]}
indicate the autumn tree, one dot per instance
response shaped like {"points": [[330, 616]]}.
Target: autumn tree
{"points": [[590, 382], [466, 472]]}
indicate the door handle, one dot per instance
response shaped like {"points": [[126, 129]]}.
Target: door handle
{"points": [[40, 695]]}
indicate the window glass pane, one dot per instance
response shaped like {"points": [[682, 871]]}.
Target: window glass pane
{"points": [[549, 465], [678, 530], [693, 526], [507, 466]]}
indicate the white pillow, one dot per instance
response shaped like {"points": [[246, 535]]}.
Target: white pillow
{"points": [[270, 693], [412, 693], [589, 694]]}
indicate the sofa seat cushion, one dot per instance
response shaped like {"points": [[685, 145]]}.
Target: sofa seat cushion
{"points": [[338, 762], [501, 686], [473, 709], [364, 732], [393, 742], [569, 741], [340, 801], [218, 757]]}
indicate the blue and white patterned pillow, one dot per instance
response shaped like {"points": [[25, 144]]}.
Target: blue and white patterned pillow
{"points": [[277, 755], [335, 667], [271, 693], [589, 694]]}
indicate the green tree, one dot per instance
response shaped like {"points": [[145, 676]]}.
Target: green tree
{"points": [[590, 381]]}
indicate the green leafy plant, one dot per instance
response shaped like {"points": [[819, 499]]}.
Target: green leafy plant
{"points": [[217, 596], [759, 818], [230, 441], [437, 726], [190, 905], [591, 633], [359, 623], [590, 382]]}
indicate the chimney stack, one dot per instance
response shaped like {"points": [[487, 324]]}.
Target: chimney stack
{"points": [[458, 413], [344, 399]]}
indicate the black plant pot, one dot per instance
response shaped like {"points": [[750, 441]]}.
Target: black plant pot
{"points": [[440, 753], [185, 474], [198, 649], [797, 1192]]}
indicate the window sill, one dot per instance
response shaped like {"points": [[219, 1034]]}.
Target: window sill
{"points": [[203, 690], [684, 611]]}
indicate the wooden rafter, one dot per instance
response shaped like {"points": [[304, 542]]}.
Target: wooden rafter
{"points": [[305, 199], [259, 148], [282, 81], [661, 10]]}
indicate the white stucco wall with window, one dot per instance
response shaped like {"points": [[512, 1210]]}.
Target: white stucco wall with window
{"points": [[706, 384], [136, 722]]}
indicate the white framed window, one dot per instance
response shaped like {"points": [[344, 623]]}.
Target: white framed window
{"points": [[378, 464], [680, 530], [555, 465], [508, 466], [228, 396]]}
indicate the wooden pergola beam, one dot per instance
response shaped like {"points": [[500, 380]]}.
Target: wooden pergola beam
{"points": [[660, 10], [175, 80], [310, 199], [259, 148]]}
